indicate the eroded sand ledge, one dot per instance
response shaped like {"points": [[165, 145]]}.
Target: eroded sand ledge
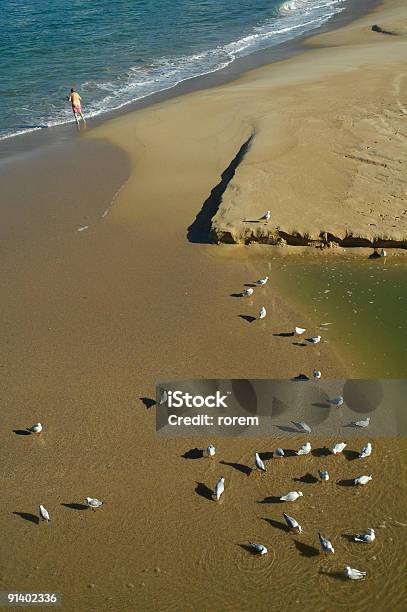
{"points": [[329, 152]]}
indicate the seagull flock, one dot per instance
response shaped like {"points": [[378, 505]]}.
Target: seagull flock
{"points": [[292, 496], [91, 502]]}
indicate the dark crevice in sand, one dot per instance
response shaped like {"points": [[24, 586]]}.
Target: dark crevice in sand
{"points": [[201, 229]]}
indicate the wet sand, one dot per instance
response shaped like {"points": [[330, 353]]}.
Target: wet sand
{"points": [[92, 319]]}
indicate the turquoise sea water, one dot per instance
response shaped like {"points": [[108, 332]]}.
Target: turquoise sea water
{"points": [[117, 51]]}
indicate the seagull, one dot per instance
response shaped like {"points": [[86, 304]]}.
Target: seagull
{"points": [[354, 574], [337, 401], [383, 253], [338, 448], [304, 450], [219, 488], [362, 480], [266, 216], [292, 523], [369, 536], [211, 450], [262, 281], [259, 548], [366, 451], [163, 398], [303, 426], [323, 474], [279, 452], [259, 463], [326, 545], [93, 503], [362, 423], [291, 496], [44, 514], [262, 313], [248, 291], [314, 339], [35, 429], [317, 374], [299, 330]]}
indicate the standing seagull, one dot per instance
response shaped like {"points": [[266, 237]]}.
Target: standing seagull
{"points": [[259, 548], [383, 253], [326, 545], [304, 450], [338, 448], [354, 574], [279, 452], [317, 374], [219, 488], [259, 463], [337, 401], [248, 291], [323, 474], [291, 496], [93, 503], [302, 425], [262, 281], [44, 514], [366, 451], [292, 523], [35, 429], [369, 536], [211, 450], [266, 216], [314, 339], [362, 480], [262, 313], [299, 331], [362, 423]]}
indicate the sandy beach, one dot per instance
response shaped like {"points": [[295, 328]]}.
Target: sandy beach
{"points": [[111, 282]]}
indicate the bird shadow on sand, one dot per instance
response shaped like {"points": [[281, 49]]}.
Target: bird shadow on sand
{"points": [[320, 452], [305, 549], [148, 402], [27, 516], [288, 429], [271, 499], [266, 456], [204, 491], [193, 453], [247, 318], [249, 285], [248, 549], [299, 343], [276, 524], [22, 432], [240, 467], [236, 295], [285, 334], [307, 478], [76, 506], [346, 482], [350, 455], [335, 575], [321, 404], [300, 378], [348, 536]]}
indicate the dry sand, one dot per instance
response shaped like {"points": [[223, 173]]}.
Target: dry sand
{"points": [[92, 319]]}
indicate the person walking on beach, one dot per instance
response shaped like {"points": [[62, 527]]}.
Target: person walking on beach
{"points": [[75, 101]]}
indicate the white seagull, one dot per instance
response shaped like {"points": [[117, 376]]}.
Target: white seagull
{"points": [[262, 281], [323, 474], [93, 503], [44, 514], [383, 253], [292, 523], [266, 216], [248, 291], [211, 450], [279, 452], [299, 331], [338, 448], [354, 574], [304, 450], [326, 545], [35, 429], [219, 488], [362, 480], [259, 548], [262, 313], [314, 339], [317, 374], [366, 451], [291, 496], [259, 463], [362, 423], [369, 536], [337, 401], [302, 425]]}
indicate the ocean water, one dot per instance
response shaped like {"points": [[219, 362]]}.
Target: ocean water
{"points": [[118, 51]]}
